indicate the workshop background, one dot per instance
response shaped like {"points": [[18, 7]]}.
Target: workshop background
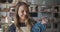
{"points": [[37, 8]]}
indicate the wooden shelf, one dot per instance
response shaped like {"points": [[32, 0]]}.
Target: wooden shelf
{"points": [[7, 3], [5, 10], [45, 5], [46, 12], [3, 17], [13, 4]]}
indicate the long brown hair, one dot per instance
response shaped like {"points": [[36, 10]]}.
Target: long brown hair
{"points": [[17, 18]]}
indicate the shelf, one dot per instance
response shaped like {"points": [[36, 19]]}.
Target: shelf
{"points": [[5, 10], [44, 5], [45, 11], [51, 30], [13, 4], [7, 3], [48, 12], [3, 17]]}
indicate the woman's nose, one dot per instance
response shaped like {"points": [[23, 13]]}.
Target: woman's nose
{"points": [[25, 13]]}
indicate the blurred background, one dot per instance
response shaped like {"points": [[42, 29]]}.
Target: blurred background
{"points": [[37, 8]]}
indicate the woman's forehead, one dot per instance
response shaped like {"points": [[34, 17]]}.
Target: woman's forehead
{"points": [[23, 7]]}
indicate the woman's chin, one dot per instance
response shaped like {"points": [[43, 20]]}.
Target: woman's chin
{"points": [[23, 18]]}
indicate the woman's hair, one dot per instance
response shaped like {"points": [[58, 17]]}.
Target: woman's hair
{"points": [[17, 18]]}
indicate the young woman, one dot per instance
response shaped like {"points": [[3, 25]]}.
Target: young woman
{"points": [[23, 22]]}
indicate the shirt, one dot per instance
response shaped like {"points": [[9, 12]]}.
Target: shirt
{"points": [[25, 29]]}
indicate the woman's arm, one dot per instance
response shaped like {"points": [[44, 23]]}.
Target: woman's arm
{"points": [[38, 27]]}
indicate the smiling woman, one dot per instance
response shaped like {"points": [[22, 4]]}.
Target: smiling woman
{"points": [[22, 21]]}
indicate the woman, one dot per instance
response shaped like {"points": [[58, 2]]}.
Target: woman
{"points": [[23, 22]]}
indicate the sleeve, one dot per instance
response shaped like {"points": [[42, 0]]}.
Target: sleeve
{"points": [[43, 27], [36, 28], [12, 28]]}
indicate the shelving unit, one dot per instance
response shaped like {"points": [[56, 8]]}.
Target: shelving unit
{"points": [[5, 19], [48, 12]]}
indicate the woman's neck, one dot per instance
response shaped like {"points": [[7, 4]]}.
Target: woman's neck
{"points": [[22, 20]]}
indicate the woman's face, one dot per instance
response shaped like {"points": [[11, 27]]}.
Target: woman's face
{"points": [[22, 12]]}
